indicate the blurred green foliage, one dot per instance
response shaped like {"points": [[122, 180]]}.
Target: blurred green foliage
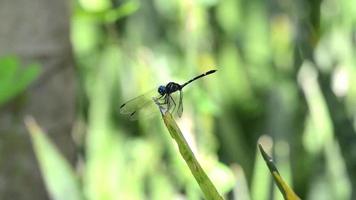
{"points": [[14, 79], [271, 57], [61, 183]]}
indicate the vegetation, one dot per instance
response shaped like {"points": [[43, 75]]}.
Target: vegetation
{"points": [[285, 80]]}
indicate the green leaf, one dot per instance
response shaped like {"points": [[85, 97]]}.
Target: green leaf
{"points": [[110, 15], [15, 79], [58, 175], [115, 14]]}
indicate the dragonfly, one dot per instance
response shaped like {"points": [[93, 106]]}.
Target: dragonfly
{"points": [[162, 97]]}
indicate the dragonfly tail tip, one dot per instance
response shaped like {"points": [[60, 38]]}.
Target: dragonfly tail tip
{"points": [[211, 71]]}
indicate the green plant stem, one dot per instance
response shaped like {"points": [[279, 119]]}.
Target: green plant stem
{"points": [[200, 176], [286, 191]]}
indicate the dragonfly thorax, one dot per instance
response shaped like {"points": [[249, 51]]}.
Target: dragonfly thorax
{"points": [[169, 88], [172, 87]]}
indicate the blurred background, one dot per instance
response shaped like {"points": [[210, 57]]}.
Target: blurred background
{"points": [[286, 79]]}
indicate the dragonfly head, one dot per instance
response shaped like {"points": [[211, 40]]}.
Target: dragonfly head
{"points": [[162, 90]]}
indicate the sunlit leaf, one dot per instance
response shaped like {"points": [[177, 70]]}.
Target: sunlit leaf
{"points": [[109, 15], [58, 175]]}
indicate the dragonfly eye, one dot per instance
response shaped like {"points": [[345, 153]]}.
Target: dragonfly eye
{"points": [[162, 90]]}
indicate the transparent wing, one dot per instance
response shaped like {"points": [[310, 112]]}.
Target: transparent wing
{"points": [[138, 104], [146, 111], [180, 104], [174, 103]]}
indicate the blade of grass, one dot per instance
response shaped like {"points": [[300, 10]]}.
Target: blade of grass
{"points": [[286, 191], [58, 175], [261, 180], [200, 176]]}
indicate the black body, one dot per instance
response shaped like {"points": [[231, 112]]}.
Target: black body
{"points": [[165, 98]]}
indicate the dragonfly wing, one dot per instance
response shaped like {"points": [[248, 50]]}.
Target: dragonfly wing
{"points": [[174, 103], [180, 104], [142, 105], [148, 110], [137, 103]]}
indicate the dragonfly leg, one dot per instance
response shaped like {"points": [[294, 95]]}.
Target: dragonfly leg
{"points": [[159, 98]]}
